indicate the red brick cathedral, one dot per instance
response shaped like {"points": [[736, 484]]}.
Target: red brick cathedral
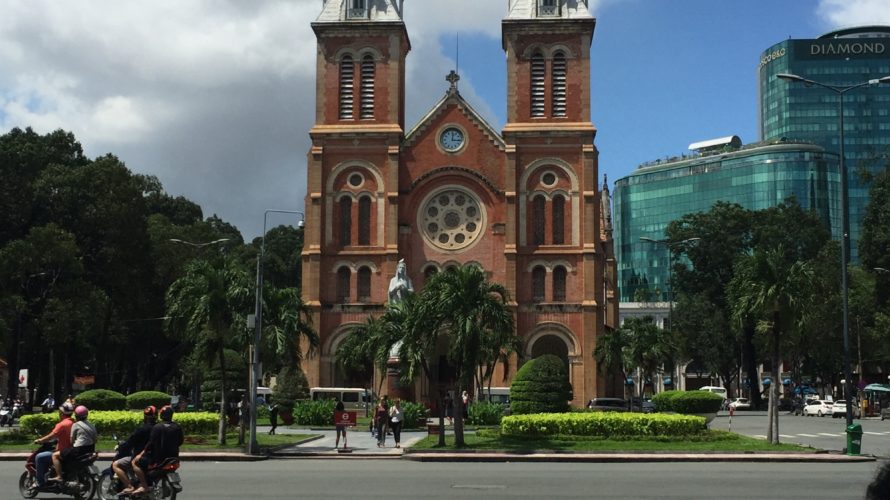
{"points": [[523, 204]]}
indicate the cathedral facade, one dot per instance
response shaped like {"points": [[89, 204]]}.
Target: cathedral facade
{"points": [[523, 204]]}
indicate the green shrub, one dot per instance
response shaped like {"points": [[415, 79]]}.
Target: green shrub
{"points": [[314, 413], [102, 399], [485, 413], [541, 386], [602, 424], [140, 400], [122, 423], [290, 387], [415, 414], [687, 402]]}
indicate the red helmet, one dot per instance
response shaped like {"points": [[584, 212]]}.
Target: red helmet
{"points": [[150, 412], [166, 413]]}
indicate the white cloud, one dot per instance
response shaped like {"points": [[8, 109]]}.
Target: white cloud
{"points": [[847, 13]]}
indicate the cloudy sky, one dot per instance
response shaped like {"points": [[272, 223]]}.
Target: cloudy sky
{"points": [[215, 97]]}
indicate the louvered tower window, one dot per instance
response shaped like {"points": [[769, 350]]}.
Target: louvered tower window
{"points": [[347, 88], [538, 276], [559, 84], [357, 9], [559, 284], [345, 221], [364, 220], [539, 70], [559, 214], [367, 90]]}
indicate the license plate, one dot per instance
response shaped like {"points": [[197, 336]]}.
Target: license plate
{"points": [[173, 477]]}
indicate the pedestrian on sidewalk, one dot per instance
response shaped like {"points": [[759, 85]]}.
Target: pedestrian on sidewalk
{"points": [[381, 415], [449, 408], [273, 417], [339, 427], [396, 419]]}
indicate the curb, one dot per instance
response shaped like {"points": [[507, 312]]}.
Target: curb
{"points": [[185, 457], [638, 457]]}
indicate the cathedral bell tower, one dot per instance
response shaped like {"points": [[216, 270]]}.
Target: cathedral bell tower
{"points": [[351, 239]]}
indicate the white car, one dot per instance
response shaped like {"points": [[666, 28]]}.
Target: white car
{"points": [[740, 404], [818, 407], [840, 409]]}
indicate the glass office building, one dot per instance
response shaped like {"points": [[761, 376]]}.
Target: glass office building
{"points": [[755, 176], [798, 112]]}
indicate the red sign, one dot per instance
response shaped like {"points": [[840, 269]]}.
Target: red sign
{"points": [[85, 379], [346, 418]]}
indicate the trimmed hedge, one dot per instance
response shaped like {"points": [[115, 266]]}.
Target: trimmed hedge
{"points": [[123, 423], [102, 399], [687, 402], [602, 424], [140, 400], [541, 386], [314, 412], [485, 413]]}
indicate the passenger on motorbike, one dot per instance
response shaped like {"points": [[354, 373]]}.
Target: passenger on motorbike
{"points": [[62, 433], [83, 441], [163, 443], [135, 444]]}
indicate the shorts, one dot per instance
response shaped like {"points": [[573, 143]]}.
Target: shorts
{"points": [[125, 463], [340, 429], [75, 452]]}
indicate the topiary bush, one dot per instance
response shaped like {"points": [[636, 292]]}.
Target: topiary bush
{"points": [[314, 412], [602, 424], [140, 400], [102, 399], [485, 413], [688, 402], [290, 386], [663, 401], [123, 423], [541, 386]]}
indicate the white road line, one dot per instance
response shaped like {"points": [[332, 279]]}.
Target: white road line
{"points": [[830, 434], [875, 433], [760, 436], [786, 436], [808, 435]]}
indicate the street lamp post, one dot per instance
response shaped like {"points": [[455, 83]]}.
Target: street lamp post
{"points": [[840, 90], [668, 245], [252, 447]]}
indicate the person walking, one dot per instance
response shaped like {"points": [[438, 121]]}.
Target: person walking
{"points": [[273, 417], [338, 426], [380, 417], [396, 418], [449, 409]]}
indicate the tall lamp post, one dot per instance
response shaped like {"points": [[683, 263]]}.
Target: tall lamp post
{"points": [[668, 246], [252, 447], [840, 90]]}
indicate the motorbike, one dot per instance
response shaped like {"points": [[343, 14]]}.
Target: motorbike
{"points": [[17, 410], [164, 477], [78, 476], [6, 417]]}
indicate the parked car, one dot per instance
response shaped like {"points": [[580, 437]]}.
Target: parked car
{"points": [[885, 413], [607, 404], [818, 407], [740, 404], [839, 409], [648, 406]]}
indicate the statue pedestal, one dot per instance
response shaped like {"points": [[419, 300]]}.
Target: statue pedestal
{"points": [[394, 388]]}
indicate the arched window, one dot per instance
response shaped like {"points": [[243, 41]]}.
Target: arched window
{"points": [[559, 284], [364, 284], [538, 276], [559, 214], [367, 90], [345, 221], [429, 272], [364, 220], [343, 277], [558, 84], [347, 88], [538, 206], [539, 70]]}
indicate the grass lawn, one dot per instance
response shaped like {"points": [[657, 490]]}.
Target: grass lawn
{"points": [[15, 442], [713, 441]]}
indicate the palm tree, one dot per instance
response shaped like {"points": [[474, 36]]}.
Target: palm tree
{"points": [[774, 292], [286, 321], [648, 347], [474, 314], [202, 306], [610, 353]]}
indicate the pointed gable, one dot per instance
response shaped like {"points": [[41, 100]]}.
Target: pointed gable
{"points": [[335, 11], [454, 97], [544, 9]]}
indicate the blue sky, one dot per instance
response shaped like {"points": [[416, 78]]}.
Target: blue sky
{"points": [[216, 97]]}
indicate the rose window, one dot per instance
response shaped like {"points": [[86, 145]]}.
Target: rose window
{"points": [[451, 219]]}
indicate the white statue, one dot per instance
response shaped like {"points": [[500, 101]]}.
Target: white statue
{"points": [[400, 285]]}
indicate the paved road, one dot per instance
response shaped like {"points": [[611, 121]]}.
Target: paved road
{"points": [[388, 479], [825, 432]]}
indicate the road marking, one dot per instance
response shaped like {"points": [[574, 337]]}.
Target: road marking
{"points": [[786, 436], [808, 435], [875, 433], [830, 434], [760, 436], [479, 486]]}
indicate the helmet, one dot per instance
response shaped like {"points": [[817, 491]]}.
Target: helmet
{"points": [[150, 412], [66, 408], [81, 412], [166, 413]]}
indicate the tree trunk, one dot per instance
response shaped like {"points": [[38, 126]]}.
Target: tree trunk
{"points": [[774, 385], [750, 361], [223, 404], [459, 419]]}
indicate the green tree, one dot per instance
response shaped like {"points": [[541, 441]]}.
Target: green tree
{"points": [[286, 323], [610, 354], [203, 307], [874, 244], [767, 287], [648, 347]]}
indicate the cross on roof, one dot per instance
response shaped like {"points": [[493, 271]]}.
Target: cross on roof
{"points": [[453, 78]]}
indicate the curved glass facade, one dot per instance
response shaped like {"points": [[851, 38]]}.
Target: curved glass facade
{"points": [[756, 177], [797, 112]]}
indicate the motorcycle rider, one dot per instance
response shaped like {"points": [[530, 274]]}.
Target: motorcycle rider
{"points": [[163, 443], [62, 433], [48, 404], [83, 441], [135, 444]]}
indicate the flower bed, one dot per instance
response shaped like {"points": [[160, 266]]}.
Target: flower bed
{"points": [[602, 424]]}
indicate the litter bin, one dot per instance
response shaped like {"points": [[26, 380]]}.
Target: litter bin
{"points": [[854, 439]]}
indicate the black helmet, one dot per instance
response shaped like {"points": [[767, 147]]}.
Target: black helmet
{"points": [[166, 413]]}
